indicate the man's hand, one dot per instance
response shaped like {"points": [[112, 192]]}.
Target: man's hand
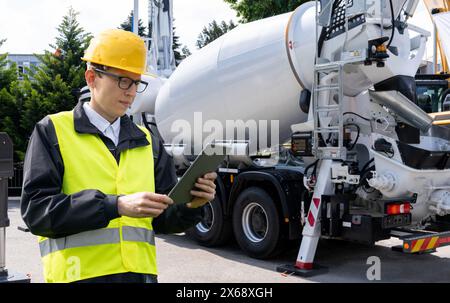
{"points": [[142, 205], [206, 192]]}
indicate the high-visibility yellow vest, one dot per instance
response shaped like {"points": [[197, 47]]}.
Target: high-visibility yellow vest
{"points": [[126, 244]]}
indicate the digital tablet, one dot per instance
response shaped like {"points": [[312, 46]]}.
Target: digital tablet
{"points": [[207, 161]]}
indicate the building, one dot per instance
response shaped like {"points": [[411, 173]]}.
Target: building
{"points": [[24, 62]]}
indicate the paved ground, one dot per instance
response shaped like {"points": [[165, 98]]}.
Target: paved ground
{"points": [[180, 259]]}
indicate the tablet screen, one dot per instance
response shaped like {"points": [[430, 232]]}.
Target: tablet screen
{"points": [[208, 161]]}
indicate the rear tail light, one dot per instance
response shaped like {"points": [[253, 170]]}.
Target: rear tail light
{"points": [[395, 209]]}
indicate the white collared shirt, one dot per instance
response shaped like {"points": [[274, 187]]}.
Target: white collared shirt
{"points": [[110, 130]]}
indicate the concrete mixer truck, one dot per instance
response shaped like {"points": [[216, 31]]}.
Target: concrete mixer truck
{"points": [[321, 106]]}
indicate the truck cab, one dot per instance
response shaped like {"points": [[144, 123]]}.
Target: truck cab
{"points": [[433, 93]]}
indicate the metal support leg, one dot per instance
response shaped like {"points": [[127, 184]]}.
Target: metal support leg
{"points": [[312, 229], [3, 270], [4, 222]]}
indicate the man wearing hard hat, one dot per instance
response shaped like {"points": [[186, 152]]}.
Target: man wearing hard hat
{"points": [[95, 182]]}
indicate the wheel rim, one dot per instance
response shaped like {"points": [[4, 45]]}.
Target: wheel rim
{"points": [[207, 221], [254, 222]]}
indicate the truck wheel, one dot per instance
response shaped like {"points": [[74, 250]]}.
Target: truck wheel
{"points": [[256, 223], [213, 229]]}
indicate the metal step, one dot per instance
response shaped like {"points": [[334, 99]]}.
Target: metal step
{"points": [[328, 129], [322, 88], [333, 66], [328, 108]]}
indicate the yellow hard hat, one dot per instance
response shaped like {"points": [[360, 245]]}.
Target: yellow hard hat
{"points": [[118, 48]]}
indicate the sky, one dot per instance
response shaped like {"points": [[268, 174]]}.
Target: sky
{"points": [[30, 25]]}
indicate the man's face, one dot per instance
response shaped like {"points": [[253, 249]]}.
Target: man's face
{"points": [[108, 99]]}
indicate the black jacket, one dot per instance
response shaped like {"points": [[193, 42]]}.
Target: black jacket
{"points": [[48, 212]]}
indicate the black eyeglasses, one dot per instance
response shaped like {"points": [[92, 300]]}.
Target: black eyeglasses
{"points": [[124, 82]]}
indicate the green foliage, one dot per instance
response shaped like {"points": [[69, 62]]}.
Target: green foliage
{"points": [[186, 52], [128, 24], [178, 51], [9, 112], [60, 74], [7, 74], [48, 89], [65, 59], [213, 31], [251, 10]]}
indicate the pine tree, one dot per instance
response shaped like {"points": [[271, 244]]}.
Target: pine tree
{"points": [[177, 51], [186, 52], [65, 60], [54, 83], [251, 10], [128, 24], [7, 74], [10, 107], [213, 31]]}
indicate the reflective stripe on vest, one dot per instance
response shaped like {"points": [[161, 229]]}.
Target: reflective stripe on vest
{"points": [[126, 244], [97, 237]]}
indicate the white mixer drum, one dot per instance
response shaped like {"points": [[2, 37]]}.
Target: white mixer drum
{"points": [[145, 101], [254, 73]]}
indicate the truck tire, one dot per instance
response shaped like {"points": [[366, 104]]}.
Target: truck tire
{"points": [[256, 223], [214, 229]]}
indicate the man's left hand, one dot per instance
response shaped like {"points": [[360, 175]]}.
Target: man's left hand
{"points": [[206, 190]]}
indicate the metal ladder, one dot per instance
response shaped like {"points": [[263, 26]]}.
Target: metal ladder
{"points": [[337, 151]]}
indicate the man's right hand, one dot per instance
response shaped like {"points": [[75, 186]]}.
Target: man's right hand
{"points": [[142, 205]]}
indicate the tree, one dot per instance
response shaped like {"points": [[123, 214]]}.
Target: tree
{"points": [[53, 86], [186, 52], [8, 72], [213, 31], [251, 10], [128, 24], [65, 59], [10, 111], [177, 49], [9, 115]]}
